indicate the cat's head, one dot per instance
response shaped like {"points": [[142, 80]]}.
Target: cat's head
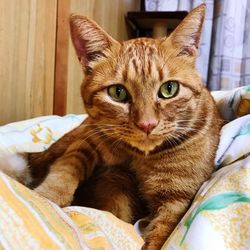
{"points": [[140, 91]]}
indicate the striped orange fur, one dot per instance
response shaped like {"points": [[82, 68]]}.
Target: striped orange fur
{"points": [[146, 154]]}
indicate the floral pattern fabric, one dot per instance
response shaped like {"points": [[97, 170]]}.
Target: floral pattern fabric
{"points": [[220, 214]]}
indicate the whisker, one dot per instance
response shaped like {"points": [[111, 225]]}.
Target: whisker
{"points": [[105, 139], [93, 132], [115, 145], [185, 129]]}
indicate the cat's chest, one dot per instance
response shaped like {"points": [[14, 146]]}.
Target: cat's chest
{"points": [[110, 156], [146, 168], [156, 174]]}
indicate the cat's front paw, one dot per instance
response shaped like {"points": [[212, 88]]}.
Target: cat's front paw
{"points": [[150, 246], [153, 242], [61, 197]]}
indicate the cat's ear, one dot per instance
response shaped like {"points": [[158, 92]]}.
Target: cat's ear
{"points": [[186, 36], [91, 42]]}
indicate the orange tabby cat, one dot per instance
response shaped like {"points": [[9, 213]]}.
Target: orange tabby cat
{"points": [[150, 139]]}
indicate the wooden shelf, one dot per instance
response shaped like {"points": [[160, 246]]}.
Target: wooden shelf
{"points": [[145, 23]]}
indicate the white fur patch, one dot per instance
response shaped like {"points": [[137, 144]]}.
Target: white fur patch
{"points": [[16, 163], [16, 167]]}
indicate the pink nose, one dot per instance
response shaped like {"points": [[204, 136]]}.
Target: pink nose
{"points": [[147, 126]]}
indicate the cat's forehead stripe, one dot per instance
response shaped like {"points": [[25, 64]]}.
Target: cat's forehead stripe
{"points": [[125, 73], [160, 71], [143, 61], [135, 65]]}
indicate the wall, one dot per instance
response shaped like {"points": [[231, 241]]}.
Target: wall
{"points": [[39, 71], [27, 50]]}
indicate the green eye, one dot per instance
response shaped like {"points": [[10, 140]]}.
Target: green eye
{"points": [[118, 93], [168, 89]]}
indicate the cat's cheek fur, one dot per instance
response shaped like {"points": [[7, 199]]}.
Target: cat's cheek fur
{"points": [[16, 166], [105, 105]]}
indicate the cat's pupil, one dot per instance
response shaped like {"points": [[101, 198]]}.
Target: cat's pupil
{"points": [[118, 91], [169, 87]]}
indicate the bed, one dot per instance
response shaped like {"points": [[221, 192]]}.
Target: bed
{"points": [[217, 219]]}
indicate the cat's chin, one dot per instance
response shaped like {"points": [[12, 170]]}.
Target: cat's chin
{"points": [[146, 145]]}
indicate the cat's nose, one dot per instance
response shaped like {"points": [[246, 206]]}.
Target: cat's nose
{"points": [[147, 126]]}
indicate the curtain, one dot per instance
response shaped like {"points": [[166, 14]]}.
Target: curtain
{"points": [[224, 54], [230, 53]]}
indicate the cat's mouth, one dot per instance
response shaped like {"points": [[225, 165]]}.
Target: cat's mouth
{"points": [[141, 141]]}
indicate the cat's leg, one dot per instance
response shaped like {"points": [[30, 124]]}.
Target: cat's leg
{"points": [[31, 168], [38, 161], [164, 222], [65, 174]]}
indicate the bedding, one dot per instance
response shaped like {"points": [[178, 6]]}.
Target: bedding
{"points": [[217, 219]]}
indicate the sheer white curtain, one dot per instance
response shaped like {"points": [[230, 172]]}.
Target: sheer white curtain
{"points": [[224, 56], [230, 54]]}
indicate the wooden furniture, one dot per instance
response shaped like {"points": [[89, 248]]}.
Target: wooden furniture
{"points": [[39, 72], [154, 23], [27, 50]]}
